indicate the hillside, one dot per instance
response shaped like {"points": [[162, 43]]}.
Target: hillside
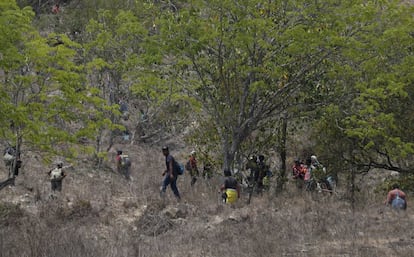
{"points": [[286, 79], [101, 214]]}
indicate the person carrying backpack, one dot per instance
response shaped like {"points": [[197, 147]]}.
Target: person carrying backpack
{"points": [[298, 170], [56, 176], [207, 171], [263, 169], [191, 166], [252, 166], [298, 173], [230, 188], [123, 164], [396, 198], [11, 158], [324, 181], [170, 174], [9, 154]]}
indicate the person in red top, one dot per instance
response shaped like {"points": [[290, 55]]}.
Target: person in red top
{"points": [[396, 198], [298, 170], [123, 164], [118, 161], [56, 9], [298, 173], [193, 167]]}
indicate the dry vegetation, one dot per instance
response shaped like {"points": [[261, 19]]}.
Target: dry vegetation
{"points": [[100, 214]]}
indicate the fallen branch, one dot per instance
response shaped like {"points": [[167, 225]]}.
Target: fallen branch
{"points": [[9, 181]]}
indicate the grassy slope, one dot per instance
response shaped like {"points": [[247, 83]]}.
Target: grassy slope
{"points": [[100, 214]]}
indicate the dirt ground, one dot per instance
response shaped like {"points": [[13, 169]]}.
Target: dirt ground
{"points": [[99, 213]]}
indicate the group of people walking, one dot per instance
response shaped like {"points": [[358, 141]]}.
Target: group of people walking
{"points": [[311, 174], [260, 173], [230, 188]]}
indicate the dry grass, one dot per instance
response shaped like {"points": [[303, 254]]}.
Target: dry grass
{"points": [[101, 214]]}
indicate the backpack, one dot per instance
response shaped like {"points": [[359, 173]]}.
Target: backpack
{"points": [[56, 174], [179, 168], [10, 150], [8, 159], [125, 161], [398, 202], [9, 155]]}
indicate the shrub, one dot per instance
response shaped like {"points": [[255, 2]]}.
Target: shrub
{"points": [[10, 214]]}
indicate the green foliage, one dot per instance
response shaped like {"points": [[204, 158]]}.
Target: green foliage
{"points": [[343, 66], [125, 61], [405, 182], [372, 111], [43, 89], [243, 62]]}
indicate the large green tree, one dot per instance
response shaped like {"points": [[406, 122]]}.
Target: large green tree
{"points": [[247, 62], [46, 106], [369, 124], [127, 61]]}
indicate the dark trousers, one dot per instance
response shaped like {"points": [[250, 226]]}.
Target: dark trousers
{"points": [[56, 185], [173, 182], [126, 171]]}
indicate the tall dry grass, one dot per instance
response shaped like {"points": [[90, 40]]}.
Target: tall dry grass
{"points": [[99, 213]]}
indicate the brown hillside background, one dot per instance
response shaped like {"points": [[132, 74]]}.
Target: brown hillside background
{"points": [[99, 213]]}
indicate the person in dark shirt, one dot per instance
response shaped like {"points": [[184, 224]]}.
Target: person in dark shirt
{"points": [[170, 174], [230, 189]]}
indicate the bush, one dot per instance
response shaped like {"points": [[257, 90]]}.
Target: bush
{"points": [[10, 214]]}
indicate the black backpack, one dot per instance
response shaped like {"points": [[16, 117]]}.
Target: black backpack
{"points": [[178, 168], [10, 150]]}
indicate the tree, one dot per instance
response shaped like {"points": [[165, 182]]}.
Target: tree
{"points": [[46, 106], [245, 61], [124, 65], [372, 83]]}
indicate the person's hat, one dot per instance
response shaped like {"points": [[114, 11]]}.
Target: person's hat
{"points": [[193, 152], [165, 148]]}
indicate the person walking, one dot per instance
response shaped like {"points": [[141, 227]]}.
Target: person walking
{"points": [[11, 157], [308, 178], [263, 169], [170, 174], [298, 173], [396, 198], [191, 166], [230, 188], [56, 176], [254, 171], [123, 164]]}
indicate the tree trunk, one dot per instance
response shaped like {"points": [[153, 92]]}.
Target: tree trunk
{"points": [[352, 188], [282, 146]]}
